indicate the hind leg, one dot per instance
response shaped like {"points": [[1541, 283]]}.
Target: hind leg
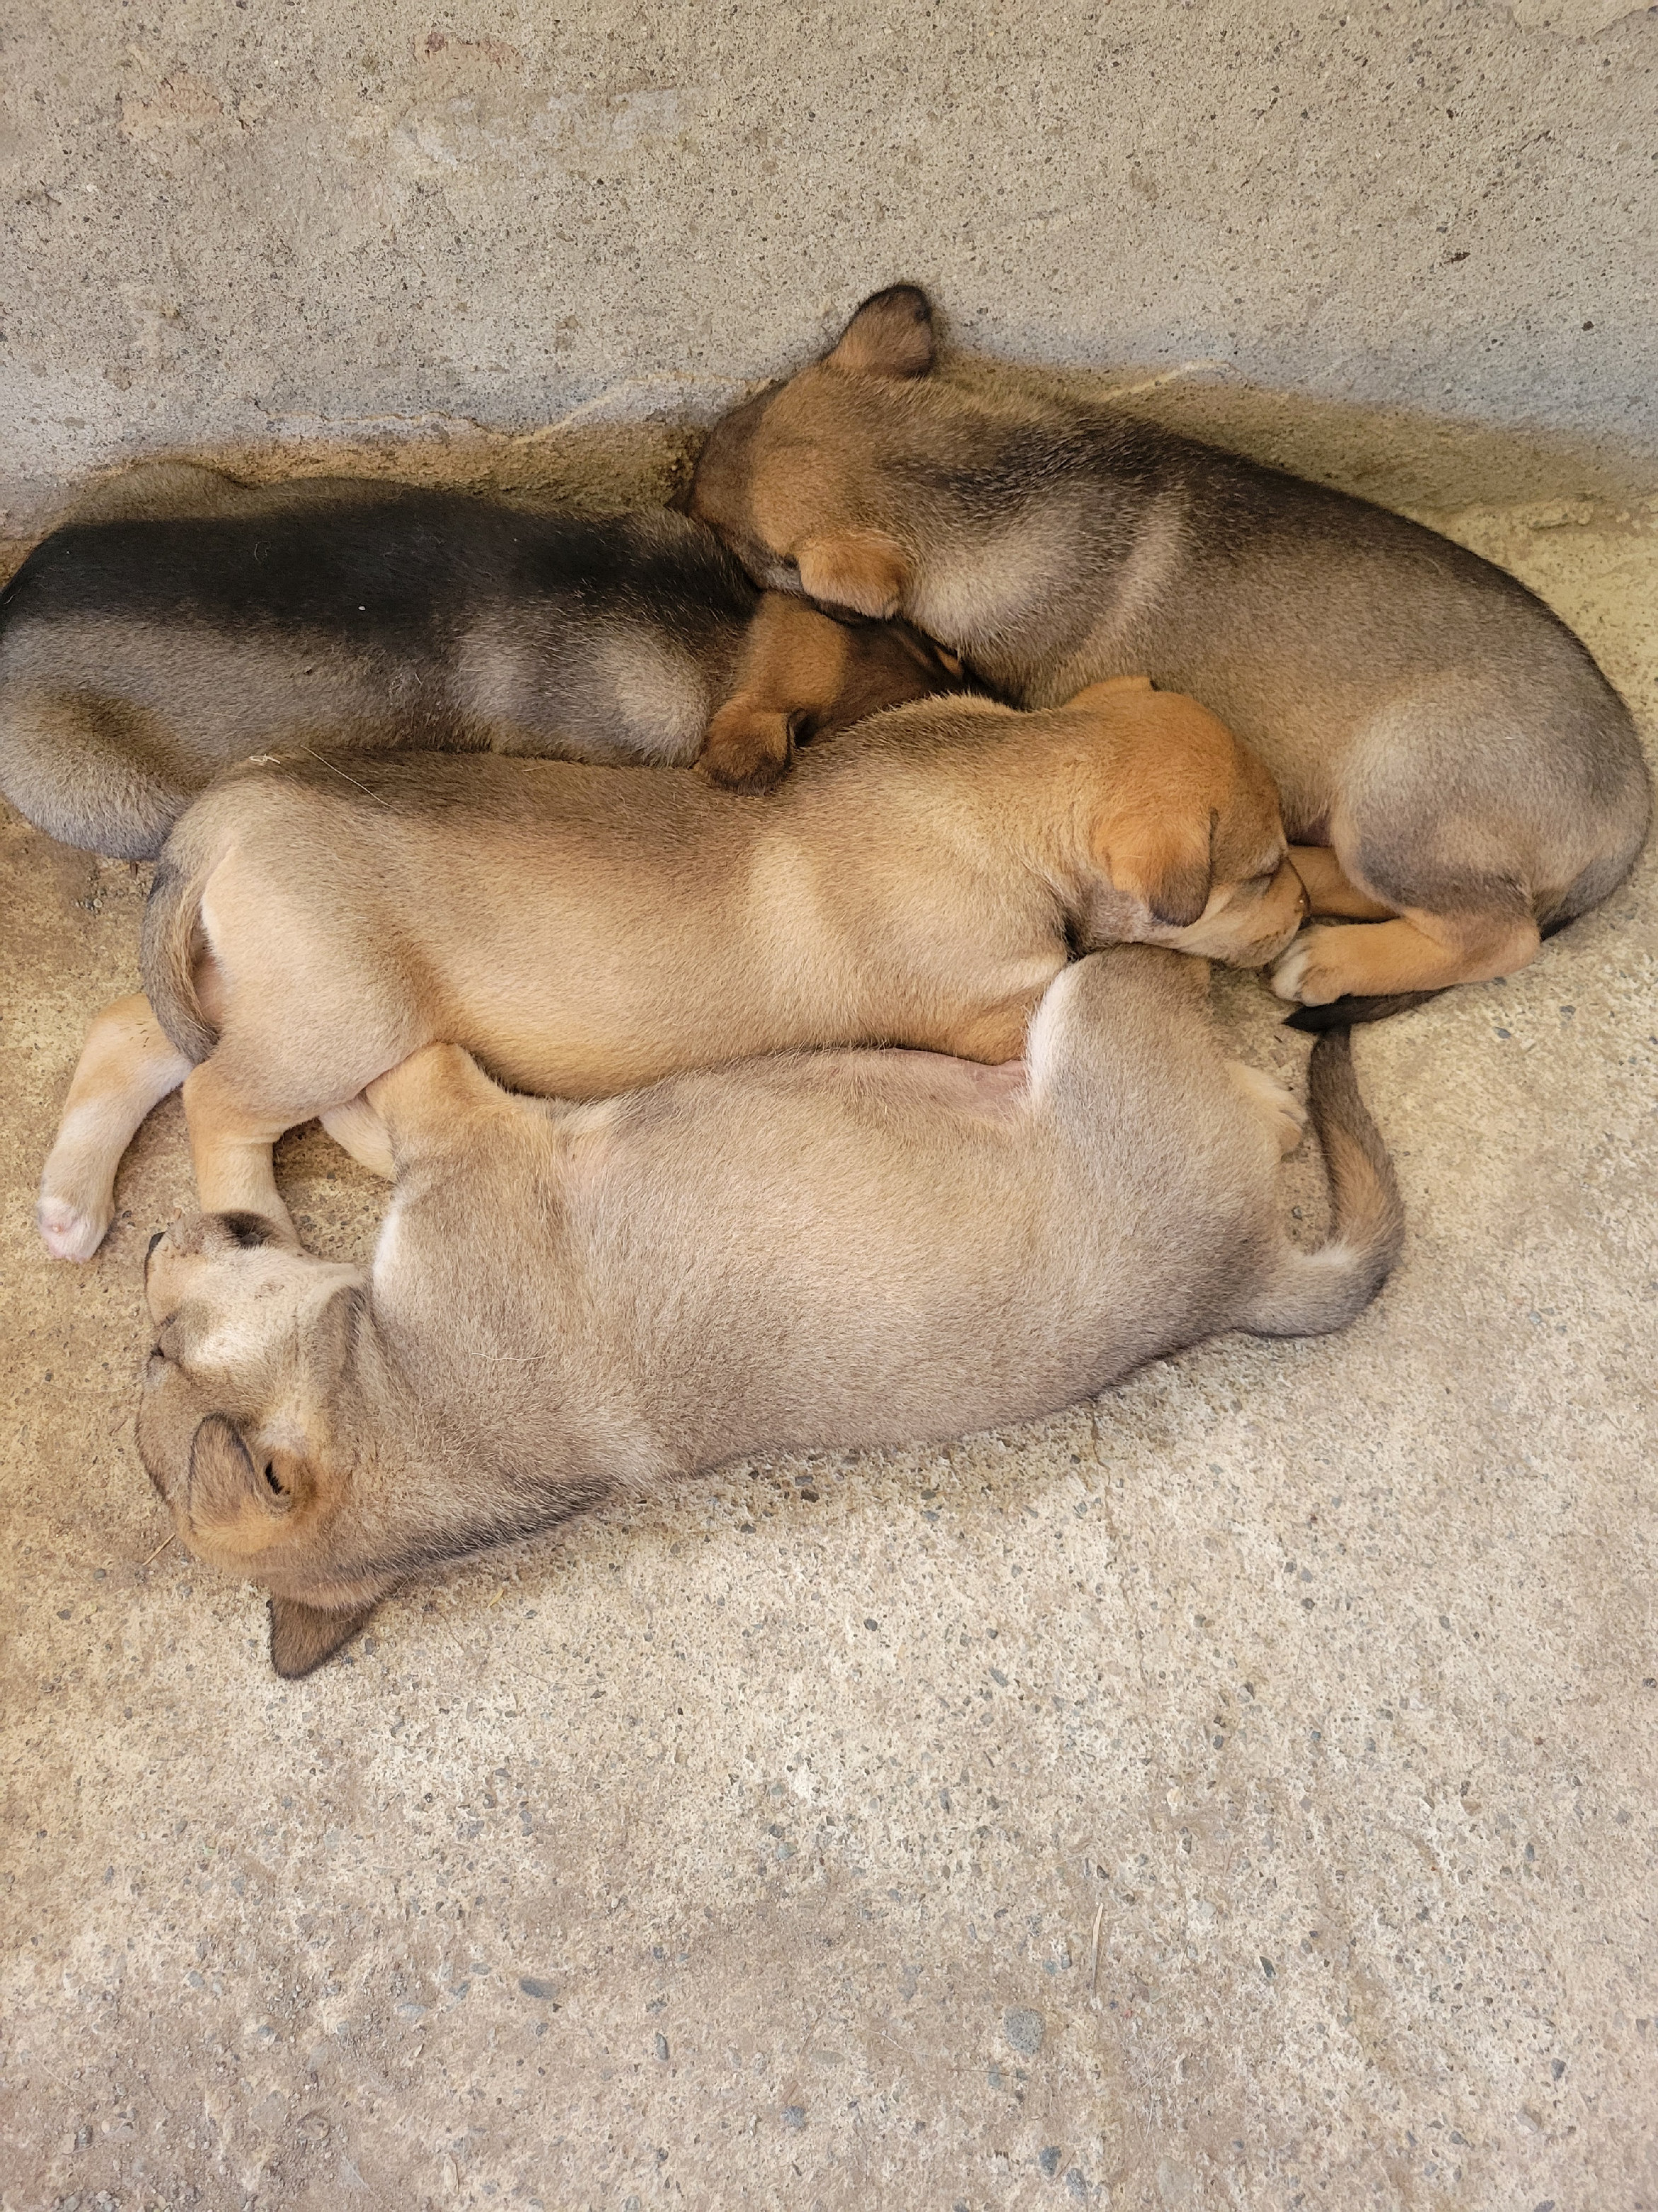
{"points": [[127, 1065], [1420, 952], [230, 1145]]}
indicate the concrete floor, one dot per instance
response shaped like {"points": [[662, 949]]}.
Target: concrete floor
{"points": [[1238, 1792]]}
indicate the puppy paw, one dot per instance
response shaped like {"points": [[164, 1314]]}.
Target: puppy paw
{"points": [[1316, 969], [746, 749], [72, 1231], [1284, 1117]]}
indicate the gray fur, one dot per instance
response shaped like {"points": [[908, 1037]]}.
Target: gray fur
{"points": [[1422, 712], [184, 621], [821, 1249]]}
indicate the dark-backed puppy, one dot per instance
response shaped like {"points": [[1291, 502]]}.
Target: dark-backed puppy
{"points": [[1465, 775], [142, 653], [574, 1302]]}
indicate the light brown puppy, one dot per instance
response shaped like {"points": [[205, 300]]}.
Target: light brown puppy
{"points": [[1470, 777], [920, 882], [570, 1303]]}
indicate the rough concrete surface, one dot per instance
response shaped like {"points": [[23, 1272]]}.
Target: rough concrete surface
{"points": [[248, 226], [1235, 1794], [1238, 1792]]}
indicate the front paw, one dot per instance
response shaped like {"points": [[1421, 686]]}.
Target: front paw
{"points": [[746, 749], [1316, 969], [72, 1227]]}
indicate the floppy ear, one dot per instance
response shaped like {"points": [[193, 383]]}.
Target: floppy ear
{"points": [[863, 570], [1166, 866], [235, 1504], [748, 746], [303, 1635], [890, 335]]}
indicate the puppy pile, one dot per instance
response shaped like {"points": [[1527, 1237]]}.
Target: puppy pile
{"points": [[874, 1096]]}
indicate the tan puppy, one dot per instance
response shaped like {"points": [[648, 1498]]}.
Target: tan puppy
{"points": [[920, 882], [1467, 775], [568, 1303]]}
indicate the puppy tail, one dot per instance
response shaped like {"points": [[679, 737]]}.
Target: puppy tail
{"points": [[1315, 1291], [170, 944], [1343, 1013]]}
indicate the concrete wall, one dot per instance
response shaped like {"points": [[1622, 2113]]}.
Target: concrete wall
{"points": [[281, 228]]}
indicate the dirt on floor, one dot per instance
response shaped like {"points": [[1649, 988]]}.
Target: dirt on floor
{"points": [[1237, 1792]]}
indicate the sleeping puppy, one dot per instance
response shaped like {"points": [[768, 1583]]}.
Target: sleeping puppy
{"points": [[1463, 774], [193, 621], [569, 1303], [920, 882]]}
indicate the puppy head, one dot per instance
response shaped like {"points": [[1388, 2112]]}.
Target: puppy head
{"points": [[234, 1425], [800, 482], [1187, 827]]}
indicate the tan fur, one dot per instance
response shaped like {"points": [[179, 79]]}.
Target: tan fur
{"points": [[1328, 891], [127, 1065], [570, 1303], [919, 883], [1453, 745]]}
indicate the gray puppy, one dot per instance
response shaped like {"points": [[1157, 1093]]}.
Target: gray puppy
{"points": [[184, 622], [1452, 765], [570, 1303]]}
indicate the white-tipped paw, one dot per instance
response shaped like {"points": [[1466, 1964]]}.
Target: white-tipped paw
{"points": [[1284, 1117], [72, 1231], [1310, 971]]}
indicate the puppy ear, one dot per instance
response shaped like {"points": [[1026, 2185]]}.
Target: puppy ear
{"points": [[303, 1635], [748, 746], [1166, 866], [863, 570], [890, 335], [234, 1504]]}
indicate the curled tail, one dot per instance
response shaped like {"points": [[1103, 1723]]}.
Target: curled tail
{"points": [[1315, 1291], [171, 945]]}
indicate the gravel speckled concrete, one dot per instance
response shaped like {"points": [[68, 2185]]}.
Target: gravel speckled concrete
{"points": [[1235, 1794]]}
